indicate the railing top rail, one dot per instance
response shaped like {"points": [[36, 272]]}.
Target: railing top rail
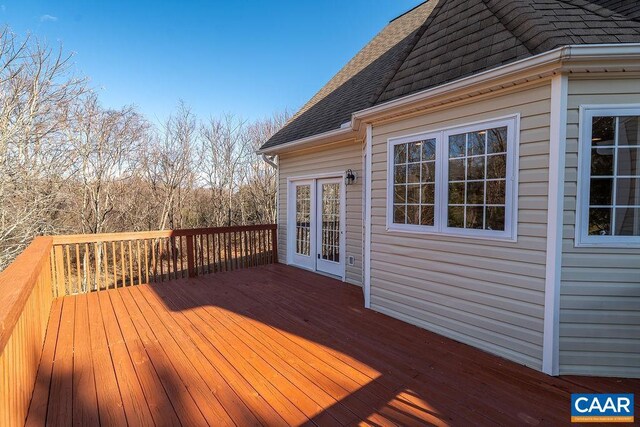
{"points": [[17, 281], [138, 235]]}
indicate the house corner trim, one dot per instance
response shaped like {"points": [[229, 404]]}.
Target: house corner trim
{"points": [[367, 220], [557, 154]]}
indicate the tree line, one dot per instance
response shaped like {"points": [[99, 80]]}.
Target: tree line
{"points": [[70, 165]]}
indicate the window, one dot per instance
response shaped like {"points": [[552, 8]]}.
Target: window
{"points": [[455, 181], [609, 206]]}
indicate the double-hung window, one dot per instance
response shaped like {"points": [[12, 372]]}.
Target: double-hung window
{"points": [[457, 181], [608, 211]]}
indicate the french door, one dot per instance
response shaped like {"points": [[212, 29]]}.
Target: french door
{"points": [[315, 225]]}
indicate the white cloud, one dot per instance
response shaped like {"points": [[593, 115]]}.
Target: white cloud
{"points": [[48, 18]]}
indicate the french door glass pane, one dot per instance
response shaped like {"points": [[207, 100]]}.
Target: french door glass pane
{"points": [[330, 244], [303, 220]]}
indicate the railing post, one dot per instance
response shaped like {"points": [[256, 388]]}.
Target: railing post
{"points": [[274, 244], [191, 265]]}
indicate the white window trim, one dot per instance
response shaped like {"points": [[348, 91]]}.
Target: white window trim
{"points": [[582, 237], [512, 122]]}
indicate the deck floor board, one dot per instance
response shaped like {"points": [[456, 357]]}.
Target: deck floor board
{"points": [[274, 345]]}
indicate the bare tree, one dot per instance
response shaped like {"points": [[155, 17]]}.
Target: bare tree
{"points": [[106, 146], [168, 166], [224, 153], [261, 183], [67, 164], [37, 91]]}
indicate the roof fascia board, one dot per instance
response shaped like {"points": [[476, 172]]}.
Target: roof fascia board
{"points": [[318, 139]]}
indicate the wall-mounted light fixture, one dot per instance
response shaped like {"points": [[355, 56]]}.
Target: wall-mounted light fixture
{"points": [[350, 177]]}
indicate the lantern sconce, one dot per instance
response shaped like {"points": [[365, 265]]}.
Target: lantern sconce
{"points": [[350, 177]]}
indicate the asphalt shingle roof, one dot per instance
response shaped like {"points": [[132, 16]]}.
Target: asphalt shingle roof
{"points": [[439, 42]]}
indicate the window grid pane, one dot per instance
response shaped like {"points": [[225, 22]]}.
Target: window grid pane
{"points": [[614, 187], [477, 161], [414, 166]]}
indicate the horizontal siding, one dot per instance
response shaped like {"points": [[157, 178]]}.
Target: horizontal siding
{"points": [[486, 293], [600, 288], [333, 158]]}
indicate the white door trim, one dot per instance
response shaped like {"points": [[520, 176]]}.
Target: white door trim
{"points": [[291, 219]]}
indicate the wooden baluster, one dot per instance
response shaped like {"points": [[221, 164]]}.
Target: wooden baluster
{"points": [[146, 259], [169, 258], [230, 251], [213, 252], [139, 263], [274, 245], [123, 266], [258, 234], [130, 263], [252, 240], [174, 257], [97, 262], [243, 249], [219, 246], [86, 263], [78, 272], [103, 248], [201, 248], [60, 282], [234, 238], [114, 262], [160, 251], [180, 254], [190, 258], [223, 251], [52, 274], [265, 246], [255, 247], [196, 254], [249, 254], [208, 255], [228, 254], [155, 257], [199, 253]]}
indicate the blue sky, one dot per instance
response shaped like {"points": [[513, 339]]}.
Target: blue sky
{"points": [[246, 57]]}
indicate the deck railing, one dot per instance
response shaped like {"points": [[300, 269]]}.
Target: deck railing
{"points": [[94, 262], [61, 265], [25, 301]]}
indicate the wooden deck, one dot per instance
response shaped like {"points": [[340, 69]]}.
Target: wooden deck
{"points": [[274, 345]]}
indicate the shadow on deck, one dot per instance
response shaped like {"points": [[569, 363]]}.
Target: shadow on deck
{"points": [[275, 345]]}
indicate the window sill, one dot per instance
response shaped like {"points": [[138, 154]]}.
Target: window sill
{"points": [[632, 244], [435, 232]]}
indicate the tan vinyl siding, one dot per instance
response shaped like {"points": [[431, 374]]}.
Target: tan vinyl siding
{"points": [[486, 293], [328, 159], [600, 287]]}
